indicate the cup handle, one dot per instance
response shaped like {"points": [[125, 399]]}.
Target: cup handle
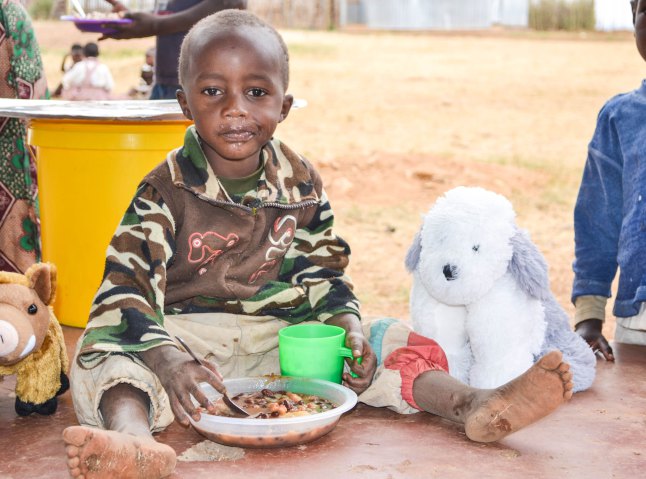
{"points": [[347, 353]]}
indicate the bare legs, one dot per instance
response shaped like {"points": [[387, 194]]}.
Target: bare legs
{"points": [[491, 414], [126, 448]]}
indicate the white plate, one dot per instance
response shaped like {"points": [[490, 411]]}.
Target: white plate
{"points": [[279, 432]]}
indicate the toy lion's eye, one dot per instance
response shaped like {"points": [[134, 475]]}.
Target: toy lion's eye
{"points": [[475, 247], [32, 309]]}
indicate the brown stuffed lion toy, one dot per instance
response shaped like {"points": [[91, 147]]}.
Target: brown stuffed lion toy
{"points": [[31, 341]]}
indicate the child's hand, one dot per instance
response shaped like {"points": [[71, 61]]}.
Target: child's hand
{"points": [[357, 342], [590, 330], [180, 375], [365, 371]]}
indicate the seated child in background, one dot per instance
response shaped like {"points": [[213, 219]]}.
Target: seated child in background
{"points": [[88, 79], [228, 241], [70, 59], [74, 56], [608, 217], [146, 77]]}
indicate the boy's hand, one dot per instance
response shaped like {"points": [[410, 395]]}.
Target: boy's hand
{"points": [[180, 375], [357, 342], [590, 330]]}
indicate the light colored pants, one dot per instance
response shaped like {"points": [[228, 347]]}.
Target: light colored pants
{"points": [[632, 330], [243, 346]]}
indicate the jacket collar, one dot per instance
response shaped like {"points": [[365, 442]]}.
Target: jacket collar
{"points": [[286, 177]]}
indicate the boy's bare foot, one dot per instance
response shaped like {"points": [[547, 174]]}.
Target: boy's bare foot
{"points": [[98, 453], [520, 402]]}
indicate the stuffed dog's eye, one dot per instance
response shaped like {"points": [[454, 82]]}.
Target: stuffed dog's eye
{"points": [[32, 309], [475, 247]]}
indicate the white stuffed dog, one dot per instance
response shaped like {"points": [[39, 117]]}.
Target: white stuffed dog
{"points": [[481, 290]]}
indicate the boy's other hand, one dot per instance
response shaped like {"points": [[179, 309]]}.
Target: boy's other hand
{"points": [[590, 330], [357, 342], [181, 375], [365, 370]]}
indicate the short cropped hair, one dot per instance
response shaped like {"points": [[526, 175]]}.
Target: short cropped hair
{"points": [[231, 18], [91, 49]]}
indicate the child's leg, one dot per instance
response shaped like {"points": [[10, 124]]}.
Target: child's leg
{"points": [[117, 419], [413, 375], [491, 414], [126, 448], [115, 439]]}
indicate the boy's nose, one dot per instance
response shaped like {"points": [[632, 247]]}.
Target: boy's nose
{"points": [[234, 107]]}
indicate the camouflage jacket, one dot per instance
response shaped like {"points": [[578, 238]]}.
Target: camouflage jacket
{"points": [[184, 246]]}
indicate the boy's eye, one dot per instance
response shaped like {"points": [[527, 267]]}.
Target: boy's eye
{"points": [[212, 91], [257, 92]]}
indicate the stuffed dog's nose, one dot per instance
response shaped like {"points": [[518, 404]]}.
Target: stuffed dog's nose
{"points": [[449, 272]]}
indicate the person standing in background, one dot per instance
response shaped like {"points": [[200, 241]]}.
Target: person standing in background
{"points": [[21, 77], [170, 22]]}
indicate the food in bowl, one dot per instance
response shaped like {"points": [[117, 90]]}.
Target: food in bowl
{"points": [[268, 404], [279, 431], [104, 15]]}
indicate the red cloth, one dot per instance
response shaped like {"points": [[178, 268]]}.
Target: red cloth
{"points": [[421, 354]]}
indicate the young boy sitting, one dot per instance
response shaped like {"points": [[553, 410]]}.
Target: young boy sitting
{"points": [[224, 244]]}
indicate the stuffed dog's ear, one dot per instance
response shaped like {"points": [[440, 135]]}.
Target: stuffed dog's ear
{"points": [[414, 252], [528, 267]]}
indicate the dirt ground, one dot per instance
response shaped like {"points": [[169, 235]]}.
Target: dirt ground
{"points": [[395, 119]]}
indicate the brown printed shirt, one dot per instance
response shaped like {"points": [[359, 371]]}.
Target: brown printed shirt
{"points": [[184, 246]]}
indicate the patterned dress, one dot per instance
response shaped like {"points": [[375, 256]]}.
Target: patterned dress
{"points": [[21, 76]]}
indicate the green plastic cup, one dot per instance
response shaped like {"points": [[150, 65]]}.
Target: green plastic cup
{"points": [[313, 351]]}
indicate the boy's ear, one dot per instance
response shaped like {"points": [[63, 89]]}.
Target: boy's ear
{"points": [[181, 99], [288, 101]]}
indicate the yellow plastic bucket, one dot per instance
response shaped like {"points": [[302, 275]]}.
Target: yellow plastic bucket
{"points": [[88, 172]]}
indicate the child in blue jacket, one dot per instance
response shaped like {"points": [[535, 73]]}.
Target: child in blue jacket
{"points": [[610, 217]]}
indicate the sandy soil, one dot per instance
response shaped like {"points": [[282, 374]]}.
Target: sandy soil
{"points": [[394, 120]]}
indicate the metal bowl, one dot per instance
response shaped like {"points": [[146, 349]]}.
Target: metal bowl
{"points": [[278, 432]]}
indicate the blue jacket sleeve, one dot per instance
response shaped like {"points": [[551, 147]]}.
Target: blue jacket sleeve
{"points": [[598, 211]]}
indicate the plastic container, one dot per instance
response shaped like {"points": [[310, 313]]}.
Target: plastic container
{"points": [[266, 433], [313, 351], [88, 172]]}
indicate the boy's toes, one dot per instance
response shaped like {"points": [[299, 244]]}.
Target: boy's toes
{"points": [[567, 377], [563, 368], [552, 361]]}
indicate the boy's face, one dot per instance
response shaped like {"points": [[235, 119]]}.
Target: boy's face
{"points": [[233, 90], [639, 19]]}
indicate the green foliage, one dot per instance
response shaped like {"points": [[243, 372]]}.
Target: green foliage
{"points": [[40, 9], [561, 15]]}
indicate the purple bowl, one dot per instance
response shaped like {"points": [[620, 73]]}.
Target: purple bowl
{"points": [[96, 25]]}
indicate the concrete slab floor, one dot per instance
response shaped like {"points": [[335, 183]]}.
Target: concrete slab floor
{"points": [[600, 433]]}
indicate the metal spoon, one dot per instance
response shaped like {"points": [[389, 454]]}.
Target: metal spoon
{"points": [[228, 401]]}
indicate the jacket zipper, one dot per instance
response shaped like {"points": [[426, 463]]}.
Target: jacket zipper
{"points": [[254, 209]]}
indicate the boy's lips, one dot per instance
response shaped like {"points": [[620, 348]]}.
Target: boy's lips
{"points": [[236, 136]]}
